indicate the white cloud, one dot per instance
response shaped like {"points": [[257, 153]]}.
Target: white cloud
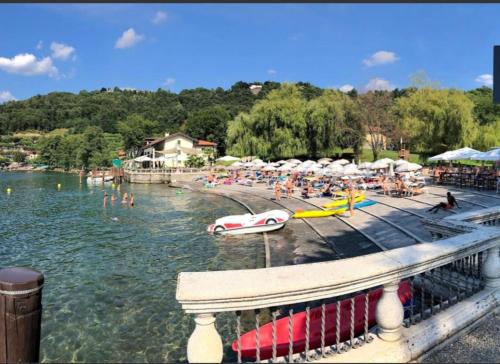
{"points": [[61, 51], [346, 88], [128, 39], [271, 72], [6, 96], [380, 57], [26, 64], [379, 84], [486, 79], [160, 17], [169, 82], [39, 45]]}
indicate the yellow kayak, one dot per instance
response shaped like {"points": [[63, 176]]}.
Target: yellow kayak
{"points": [[343, 202], [318, 213]]}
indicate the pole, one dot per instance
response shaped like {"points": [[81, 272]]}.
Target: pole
{"points": [[20, 315]]}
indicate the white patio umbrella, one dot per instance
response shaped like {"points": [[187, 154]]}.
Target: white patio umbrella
{"points": [[365, 165], [325, 161], [351, 169], [275, 164], [285, 167], [335, 167], [379, 165], [408, 167], [237, 164], [299, 168], [281, 162], [309, 162], [143, 158], [385, 160], [294, 161], [399, 162], [491, 155], [248, 164], [269, 168], [439, 157], [256, 161], [341, 161], [462, 153], [228, 158]]}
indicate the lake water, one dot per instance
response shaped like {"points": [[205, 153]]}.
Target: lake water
{"points": [[110, 273]]}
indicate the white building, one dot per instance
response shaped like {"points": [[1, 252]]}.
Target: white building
{"points": [[177, 148]]}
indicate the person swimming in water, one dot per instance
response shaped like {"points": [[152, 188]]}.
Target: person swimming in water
{"points": [[105, 201], [125, 198], [113, 198], [132, 202], [443, 205]]}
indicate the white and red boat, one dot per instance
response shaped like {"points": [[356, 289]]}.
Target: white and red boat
{"points": [[248, 223]]}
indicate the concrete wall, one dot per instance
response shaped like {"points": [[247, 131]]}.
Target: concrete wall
{"points": [[159, 177]]}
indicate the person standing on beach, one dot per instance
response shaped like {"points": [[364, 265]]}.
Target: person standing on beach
{"points": [[277, 190], [289, 188], [351, 193]]}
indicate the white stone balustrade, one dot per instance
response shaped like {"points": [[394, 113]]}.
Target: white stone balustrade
{"points": [[206, 293]]}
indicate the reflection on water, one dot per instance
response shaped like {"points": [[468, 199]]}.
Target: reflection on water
{"points": [[111, 272]]}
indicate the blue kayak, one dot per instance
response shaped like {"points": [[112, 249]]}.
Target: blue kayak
{"points": [[358, 205]]}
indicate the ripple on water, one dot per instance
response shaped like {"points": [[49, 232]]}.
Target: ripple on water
{"points": [[111, 273]]}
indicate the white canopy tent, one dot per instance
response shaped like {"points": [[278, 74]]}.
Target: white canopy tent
{"points": [[491, 155], [143, 158], [455, 155], [228, 158]]}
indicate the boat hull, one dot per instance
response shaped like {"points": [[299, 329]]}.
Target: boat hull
{"points": [[98, 180], [248, 340], [252, 229]]}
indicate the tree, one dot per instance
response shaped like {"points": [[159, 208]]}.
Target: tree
{"points": [[19, 157], [485, 111], [377, 119], [195, 161], [209, 124], [325, 122], [134, 129], [275, 127], [436, 120]]}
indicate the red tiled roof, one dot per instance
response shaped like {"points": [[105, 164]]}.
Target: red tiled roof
{"points": [[204, 143]]}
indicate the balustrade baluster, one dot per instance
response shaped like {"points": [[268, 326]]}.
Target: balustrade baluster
{"points": [[367, 336], [257, 336], [323, 323], [308, 318], [431, 280], [412, 302], [238, 334], [337, 327], [290, 335], [275, 313], [351, 340], [422, 297]]}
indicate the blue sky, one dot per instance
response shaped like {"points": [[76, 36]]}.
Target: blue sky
{"points": [[70, 47]]}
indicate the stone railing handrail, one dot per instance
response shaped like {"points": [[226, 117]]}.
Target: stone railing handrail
{"points": [[486, 214], [203, 292]]}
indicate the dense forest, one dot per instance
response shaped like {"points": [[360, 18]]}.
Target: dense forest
{"points": [[282, 120]]}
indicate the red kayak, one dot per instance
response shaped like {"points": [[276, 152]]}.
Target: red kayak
{"points": [[248, 340]]}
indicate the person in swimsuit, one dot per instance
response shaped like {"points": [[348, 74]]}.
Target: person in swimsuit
{"points": [[105, 201], [443, 205], [277, 190], [351, 194], [125, 198], [132, 202], [113, 198], [289, 187]]}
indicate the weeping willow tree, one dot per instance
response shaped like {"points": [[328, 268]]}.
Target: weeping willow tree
{"points": [[332, 120], [286, 125], [436, 120], [275, 127]]}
